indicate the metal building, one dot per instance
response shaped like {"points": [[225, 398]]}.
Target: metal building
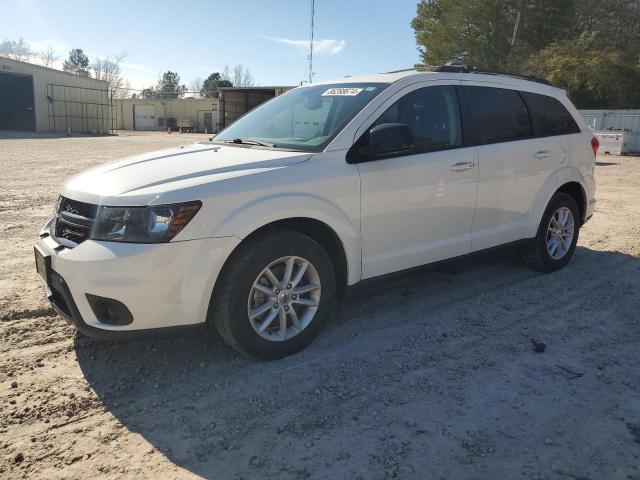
{"points": [[199, 114], [39, 99], [235, 102]]}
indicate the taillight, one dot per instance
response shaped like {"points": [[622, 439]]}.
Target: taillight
{"points": [[595, 144]]}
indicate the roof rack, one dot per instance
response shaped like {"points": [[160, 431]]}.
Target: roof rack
{"points": [[465, 69], [402, 70]]}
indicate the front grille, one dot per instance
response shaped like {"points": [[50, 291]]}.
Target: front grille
{"points": [[74, 220], [80, 209], [69, 231]]}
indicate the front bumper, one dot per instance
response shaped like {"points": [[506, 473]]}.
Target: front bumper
{"points": [[62, 302], [163, 285]]}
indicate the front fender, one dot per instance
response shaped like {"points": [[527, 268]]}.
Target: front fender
{"points": [[249, 217]]}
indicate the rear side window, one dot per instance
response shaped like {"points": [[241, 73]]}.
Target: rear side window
{"points": [[496, 115], [433, 116], [549, 116]]}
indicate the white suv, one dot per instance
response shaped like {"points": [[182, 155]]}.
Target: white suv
{"points": [[257, 231]]}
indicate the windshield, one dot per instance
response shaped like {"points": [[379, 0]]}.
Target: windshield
{"points": [[306, 118]]}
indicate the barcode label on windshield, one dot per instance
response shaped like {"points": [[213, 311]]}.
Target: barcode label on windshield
{"points": [[349, 92]]}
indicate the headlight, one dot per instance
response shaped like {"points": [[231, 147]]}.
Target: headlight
{"points": [[143, 224]]}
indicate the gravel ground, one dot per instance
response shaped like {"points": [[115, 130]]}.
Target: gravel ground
{"points": [[430, 375]]}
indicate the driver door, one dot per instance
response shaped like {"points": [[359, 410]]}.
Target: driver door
{"points": [[417, 206]]}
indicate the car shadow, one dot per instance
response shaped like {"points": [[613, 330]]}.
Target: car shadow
{"points": [[605, 164], [217, 414]]}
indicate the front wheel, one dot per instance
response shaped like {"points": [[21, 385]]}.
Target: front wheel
{"points": [[274, 295], [557, 235]]}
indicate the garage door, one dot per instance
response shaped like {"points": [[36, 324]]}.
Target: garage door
{"points": [[145, 117], [17, 110]]}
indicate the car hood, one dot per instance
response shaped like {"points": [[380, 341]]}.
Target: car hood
{"points": [[143, 178]]}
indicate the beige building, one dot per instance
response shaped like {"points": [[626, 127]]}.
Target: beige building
{"points": [[201, 115], [40, 99], [160, 114]]}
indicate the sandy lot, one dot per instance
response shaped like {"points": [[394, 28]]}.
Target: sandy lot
{"points": [[430, 375]]}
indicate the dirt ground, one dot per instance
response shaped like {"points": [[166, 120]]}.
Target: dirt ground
{"points": [[428, 376]]}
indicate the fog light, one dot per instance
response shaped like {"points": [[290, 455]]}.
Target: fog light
{"points": [[109, 311]]}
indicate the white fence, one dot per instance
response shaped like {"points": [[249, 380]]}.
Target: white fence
{"points": [[605, 119]]}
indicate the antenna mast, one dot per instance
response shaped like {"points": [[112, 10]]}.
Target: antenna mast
{"points": [[311, 44]]}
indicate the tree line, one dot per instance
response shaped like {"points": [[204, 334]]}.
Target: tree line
{"points": [[170, 86], [108, 68], [591, 48], [21, 50]]}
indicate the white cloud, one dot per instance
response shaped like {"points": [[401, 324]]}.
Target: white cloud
{"points": [[61, 48], [140, 81], [135, 66], [321, 47]]}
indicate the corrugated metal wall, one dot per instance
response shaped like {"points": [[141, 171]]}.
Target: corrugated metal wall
{"points": [[63, 100], [616, 119], [238, 102]]}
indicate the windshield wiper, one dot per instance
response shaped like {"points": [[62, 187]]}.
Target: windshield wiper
{"points": [[249, 141]]}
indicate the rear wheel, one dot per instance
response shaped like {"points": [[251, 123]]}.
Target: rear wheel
{"points": [[274, 295], [557, 235]]}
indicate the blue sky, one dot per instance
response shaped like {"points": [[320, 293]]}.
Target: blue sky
{"points": [[197, 37]]}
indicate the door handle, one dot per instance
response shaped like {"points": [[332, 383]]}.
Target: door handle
{"points": [[462, 166], [542, 154]]}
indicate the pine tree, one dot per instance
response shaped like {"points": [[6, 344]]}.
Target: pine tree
{"points": [[77, 63]]}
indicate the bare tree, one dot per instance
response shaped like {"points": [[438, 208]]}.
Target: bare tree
{"points": [[197, 85], [226, 74], [48, 57], [108, 69], [16, 49], [240, 76]]}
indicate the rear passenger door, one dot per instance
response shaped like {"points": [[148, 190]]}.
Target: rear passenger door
{"points": [[553, 121], [513, 163]]}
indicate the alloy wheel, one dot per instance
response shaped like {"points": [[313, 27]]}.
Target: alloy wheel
{"points": [[284, 298], [560, 233]]}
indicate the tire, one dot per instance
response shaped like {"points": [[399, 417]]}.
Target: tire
{"points": [[236, 297], [538, 255]]}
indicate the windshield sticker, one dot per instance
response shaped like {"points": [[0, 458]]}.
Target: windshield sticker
{"points": [[349, 92]]}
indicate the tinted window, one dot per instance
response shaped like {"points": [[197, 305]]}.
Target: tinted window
{"points": [[496, 115], [432, 115], [549, 115]]}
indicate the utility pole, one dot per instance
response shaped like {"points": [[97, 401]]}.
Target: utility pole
{"points": [[311, 44]]}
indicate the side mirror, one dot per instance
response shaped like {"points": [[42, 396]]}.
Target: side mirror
{"points": [[387, 139], [383, 141]]}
